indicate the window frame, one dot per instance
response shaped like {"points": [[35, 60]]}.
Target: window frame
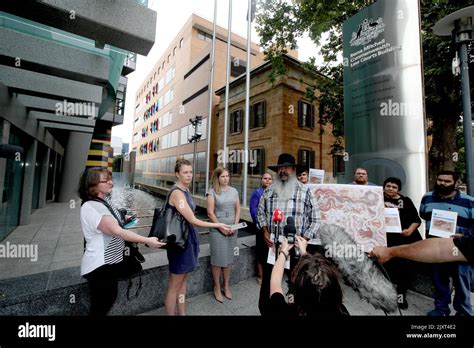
{"points": [[253, 109]]}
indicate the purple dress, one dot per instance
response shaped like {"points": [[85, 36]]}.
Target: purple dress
{"points": [[187, 260]]}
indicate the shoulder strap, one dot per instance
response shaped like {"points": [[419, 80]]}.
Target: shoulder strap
{"points": [[173, 188], [107, 205]]}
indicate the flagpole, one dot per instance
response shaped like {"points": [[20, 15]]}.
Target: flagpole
{"points": [[211, 95], [247, 103], [226, 108]]}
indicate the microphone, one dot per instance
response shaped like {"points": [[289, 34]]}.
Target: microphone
{"points": [[289, 231], [277, 216], [358, 269], [277, 219]]}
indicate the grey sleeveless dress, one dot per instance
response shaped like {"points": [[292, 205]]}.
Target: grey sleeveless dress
{"points": [[222, 247]]}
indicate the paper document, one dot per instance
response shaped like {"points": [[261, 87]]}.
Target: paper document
{"points": [[316, 176], [443, 223], [271, 253], [392, 221]]}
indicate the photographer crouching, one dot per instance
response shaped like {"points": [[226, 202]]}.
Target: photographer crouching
{"points": [[314, 285]]}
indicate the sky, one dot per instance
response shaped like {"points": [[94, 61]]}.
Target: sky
{"points": [[171, 16]]}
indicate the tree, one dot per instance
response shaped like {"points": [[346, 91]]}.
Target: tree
{"points": [[281, 22]]}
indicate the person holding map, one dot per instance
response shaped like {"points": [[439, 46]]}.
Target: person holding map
{"points": [[399, 270], [445, 198]]}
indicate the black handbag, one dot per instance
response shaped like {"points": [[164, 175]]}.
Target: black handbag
{"points": [[170, 226]]}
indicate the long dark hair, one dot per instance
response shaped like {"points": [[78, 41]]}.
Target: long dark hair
{"points": [[89, 181], [315, 287]]}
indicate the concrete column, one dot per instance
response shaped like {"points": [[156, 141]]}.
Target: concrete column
{"points": [[5, 127], [74, 163], [28, 182], [132, 162], [44, 179]]}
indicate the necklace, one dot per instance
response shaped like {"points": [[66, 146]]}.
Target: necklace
{"points": [[182, 188]]}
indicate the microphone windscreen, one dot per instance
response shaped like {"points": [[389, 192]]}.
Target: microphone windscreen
{"points": [[358, 269], [277, 215], [290, 220], [290, 225]]}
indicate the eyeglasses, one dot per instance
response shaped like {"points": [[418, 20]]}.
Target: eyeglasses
{"points": [[105, 181]]}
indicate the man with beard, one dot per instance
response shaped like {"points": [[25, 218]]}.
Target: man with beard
{"points": [[446, 197], [294, 199]]}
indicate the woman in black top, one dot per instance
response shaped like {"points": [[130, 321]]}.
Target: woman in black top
{"points": [[399, 270], [314, 287]]}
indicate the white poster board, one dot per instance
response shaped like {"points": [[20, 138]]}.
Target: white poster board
{"points": [[392, 221], [443, 223]]}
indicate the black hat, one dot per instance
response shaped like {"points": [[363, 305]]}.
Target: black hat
{"points": [[284, 160]]}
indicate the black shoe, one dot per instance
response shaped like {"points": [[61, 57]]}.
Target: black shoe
{"points": [[403, 304]]}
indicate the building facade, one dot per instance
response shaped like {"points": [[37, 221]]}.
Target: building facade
{"points": [[62, 85], [176, 90], [282, 120]]}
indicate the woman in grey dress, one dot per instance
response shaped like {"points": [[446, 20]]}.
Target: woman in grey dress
{"points": [[223, 206]]}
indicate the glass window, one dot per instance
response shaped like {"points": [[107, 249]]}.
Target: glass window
{"points": [[305, 114], [237, 67], [174, 138], [258, 114], [236, 122], [257, 161], [204, 36], [306, 157]]}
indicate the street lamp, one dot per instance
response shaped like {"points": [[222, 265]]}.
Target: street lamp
{"points": [[459, 25], [196, 121]]}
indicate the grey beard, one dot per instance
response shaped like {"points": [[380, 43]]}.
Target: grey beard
{"points": [[285, 190]]}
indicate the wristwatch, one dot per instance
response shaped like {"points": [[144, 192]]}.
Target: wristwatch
{"points": [[286, 254]]}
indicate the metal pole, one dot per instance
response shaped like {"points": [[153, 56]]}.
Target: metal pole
{"points": [[467, 117], [194, 166], [247, 104], [211, 95], [226, 110]]}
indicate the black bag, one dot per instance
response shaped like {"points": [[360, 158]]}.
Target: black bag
{"points": [[170, 226], [131, 263]]}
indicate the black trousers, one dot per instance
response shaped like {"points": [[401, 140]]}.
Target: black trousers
{"points": [[103, 286]]}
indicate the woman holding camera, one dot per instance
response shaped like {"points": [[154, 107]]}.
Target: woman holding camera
{"points": [[314, 285]]}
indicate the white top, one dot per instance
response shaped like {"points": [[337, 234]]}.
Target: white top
{"points": [[100, 248]]}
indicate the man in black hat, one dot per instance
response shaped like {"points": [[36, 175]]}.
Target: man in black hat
{"points": [[294, 199]]}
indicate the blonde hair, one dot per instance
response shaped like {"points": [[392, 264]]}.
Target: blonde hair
{"points": [[215, 178]]}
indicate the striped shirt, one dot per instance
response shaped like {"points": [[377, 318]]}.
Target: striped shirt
{"points": [[460, 203], [302, 207]]}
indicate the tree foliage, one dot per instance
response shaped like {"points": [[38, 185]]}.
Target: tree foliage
{"points": [[281, 22]]}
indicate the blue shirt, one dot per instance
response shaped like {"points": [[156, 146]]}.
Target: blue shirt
{"points": [[253, 207], [459, 203]]}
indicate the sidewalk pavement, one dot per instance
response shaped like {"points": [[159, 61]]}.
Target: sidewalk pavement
{"points": [[245, 302]]}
